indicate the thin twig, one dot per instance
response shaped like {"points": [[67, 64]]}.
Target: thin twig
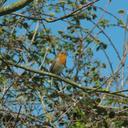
{"points": [[109, 39], [60, 18], [17, 116], [35, 32], [109, 13]]}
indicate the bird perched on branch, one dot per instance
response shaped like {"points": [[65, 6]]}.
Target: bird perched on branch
{"points": [[59, 63]]}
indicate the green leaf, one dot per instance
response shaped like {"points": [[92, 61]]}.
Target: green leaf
{"points": [[120, 22], [103, 22], [121, 11]]}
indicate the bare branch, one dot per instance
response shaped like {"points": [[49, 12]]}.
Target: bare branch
{"points": [[60, 18], [74, 84], [14, 7]]}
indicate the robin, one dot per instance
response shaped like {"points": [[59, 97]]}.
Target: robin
{"points": [[59, 63]]}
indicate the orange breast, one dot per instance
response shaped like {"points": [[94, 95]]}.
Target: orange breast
{"points": [[62, 58]]}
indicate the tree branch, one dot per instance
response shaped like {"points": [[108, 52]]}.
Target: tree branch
{"points": [[60, 18], [75, 11], [14, 7], [68, 81]]}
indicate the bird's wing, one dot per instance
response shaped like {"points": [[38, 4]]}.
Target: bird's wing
{"points": [[52, 65]]}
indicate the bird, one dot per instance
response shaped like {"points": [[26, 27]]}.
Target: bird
{"points": [[59, 63]]}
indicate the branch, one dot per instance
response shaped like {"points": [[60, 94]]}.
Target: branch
{"points": [[17, 118], [109, 39], [109, 13], [73, 12], [8, 115], [60, 18], [68, 81], [14, 7]]}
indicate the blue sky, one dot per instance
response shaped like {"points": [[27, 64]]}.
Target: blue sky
{"points": [[115, 33]]}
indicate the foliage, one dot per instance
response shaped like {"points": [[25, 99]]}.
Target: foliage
{"points": [[32, 37]]}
